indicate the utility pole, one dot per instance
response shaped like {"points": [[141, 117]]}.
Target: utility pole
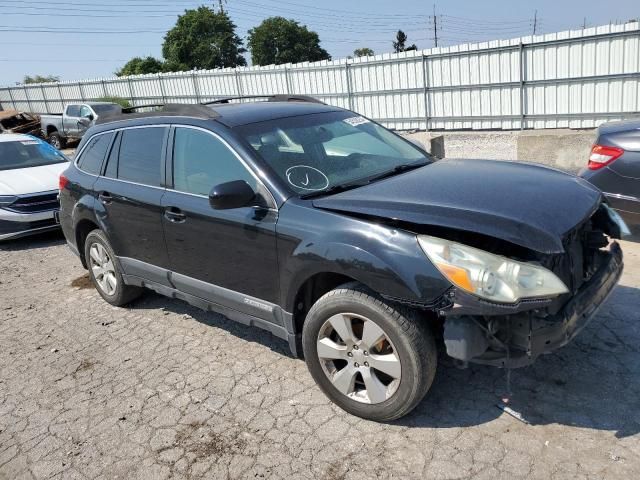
{"points": [[535, 21], [584, 23], [435, 26]]}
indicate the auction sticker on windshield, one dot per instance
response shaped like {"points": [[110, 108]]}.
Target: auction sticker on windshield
{"points": [[355, 121]]}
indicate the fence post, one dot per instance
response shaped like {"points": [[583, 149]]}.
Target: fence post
{"points": [[130, 90], [44, 99], [13, 102], [81, 91], [238, 83], [287, 80], [349, 94], [26, 95], [522, 92], [162, 91], [425, 78], [61, 98], [104, 89], [195, 86]]}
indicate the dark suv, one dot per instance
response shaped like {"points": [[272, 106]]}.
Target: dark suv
{"points": [[327, 230]]}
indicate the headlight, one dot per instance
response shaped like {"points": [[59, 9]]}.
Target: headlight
{"points": [[6, 200], [490, 276]]}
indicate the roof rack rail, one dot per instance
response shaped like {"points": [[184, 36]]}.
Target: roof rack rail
{"points": [[168, 109], [270, 98]]}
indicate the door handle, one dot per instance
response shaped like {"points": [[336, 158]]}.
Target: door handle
{"points": [[175, 215], [105, 198]]}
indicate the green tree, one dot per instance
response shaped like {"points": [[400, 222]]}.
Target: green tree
{"points": [[399, 44], [202, 38], [278, 40], [363, 52], [40, 79], [140, 66]]}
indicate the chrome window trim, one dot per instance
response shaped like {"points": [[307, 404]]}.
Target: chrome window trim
{"points": [[235, 153], [115, 131], [622, 197], [273, 207]]}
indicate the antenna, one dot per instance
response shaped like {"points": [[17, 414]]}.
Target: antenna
{"points": [[535, 21]]}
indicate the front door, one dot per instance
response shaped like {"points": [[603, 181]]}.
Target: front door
{"points": [[130, 196], [225, 256]]}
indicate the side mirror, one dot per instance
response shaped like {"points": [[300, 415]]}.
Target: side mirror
{"points": [[229, 195], [90, 117]]}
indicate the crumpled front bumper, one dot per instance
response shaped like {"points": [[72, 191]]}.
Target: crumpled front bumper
{"points": [[528, 337]]}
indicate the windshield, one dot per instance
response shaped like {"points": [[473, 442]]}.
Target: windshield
{"points": [[102, 109], [318, 152], [26, 153]]}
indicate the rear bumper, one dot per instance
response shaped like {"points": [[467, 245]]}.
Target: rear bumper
{"points": [[528, 336]]}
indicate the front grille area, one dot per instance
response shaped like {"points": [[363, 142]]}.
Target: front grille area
{"points": [[40, 202]]}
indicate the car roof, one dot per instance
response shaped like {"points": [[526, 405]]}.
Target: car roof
{"points": [[16, 137], [229, 114]]}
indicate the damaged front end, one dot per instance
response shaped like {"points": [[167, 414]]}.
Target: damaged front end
{"points": [[512, 335]]}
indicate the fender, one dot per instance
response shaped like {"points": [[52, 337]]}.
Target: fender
{"points": [[386, 259]]}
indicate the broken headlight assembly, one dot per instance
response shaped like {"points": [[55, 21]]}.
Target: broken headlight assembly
{"points": [[492, 277]]}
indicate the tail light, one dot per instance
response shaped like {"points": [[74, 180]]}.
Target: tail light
{"points": [[601, 156], [62, 182]]}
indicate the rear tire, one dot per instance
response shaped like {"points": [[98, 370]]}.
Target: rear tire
{"points": [[387, 366], [56, 141], [105, 271]]}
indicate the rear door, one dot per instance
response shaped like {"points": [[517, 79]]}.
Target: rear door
{"points": [[225, 256], [130, 195]]}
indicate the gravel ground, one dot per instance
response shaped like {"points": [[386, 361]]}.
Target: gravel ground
{"points": [[163, 390]]}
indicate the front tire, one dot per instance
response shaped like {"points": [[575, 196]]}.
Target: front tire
{"points": [[372, 358], [105, 271]]}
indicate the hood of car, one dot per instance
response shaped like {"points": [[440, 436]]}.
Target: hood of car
{"points": [[20, 181], [525, 204]]}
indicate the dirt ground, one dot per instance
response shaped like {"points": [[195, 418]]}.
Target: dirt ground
{"points": [[164, 390]]}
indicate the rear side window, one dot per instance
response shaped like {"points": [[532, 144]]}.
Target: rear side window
{"points": [[73, 111], [140, 156], [93, 154]]}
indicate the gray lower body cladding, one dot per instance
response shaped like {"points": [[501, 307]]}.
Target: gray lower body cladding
{"points": [[520, 334]]}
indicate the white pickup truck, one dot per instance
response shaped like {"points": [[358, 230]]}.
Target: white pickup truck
{"points": [[69, 126]]}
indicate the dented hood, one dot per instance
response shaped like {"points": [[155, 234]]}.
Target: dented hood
{"points": [[526, 204]]}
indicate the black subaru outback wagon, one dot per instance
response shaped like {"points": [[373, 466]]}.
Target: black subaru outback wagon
{"points": [[327, 230]]}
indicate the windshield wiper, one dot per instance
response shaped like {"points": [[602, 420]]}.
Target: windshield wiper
{"points": [[341, 187], [396, 170]]}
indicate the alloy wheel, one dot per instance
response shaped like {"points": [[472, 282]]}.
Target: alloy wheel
{"points": [[359, 359], [103, 270]]}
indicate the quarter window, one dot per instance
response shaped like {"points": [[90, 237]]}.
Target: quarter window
{"points": [[201, 161], [140, 157], [93, 154]]}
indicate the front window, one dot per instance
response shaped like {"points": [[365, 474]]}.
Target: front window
{"points": [[27, 153], [314, 153]]}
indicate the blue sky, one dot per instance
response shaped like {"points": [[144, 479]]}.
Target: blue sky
{"points": [[131, 28]]}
